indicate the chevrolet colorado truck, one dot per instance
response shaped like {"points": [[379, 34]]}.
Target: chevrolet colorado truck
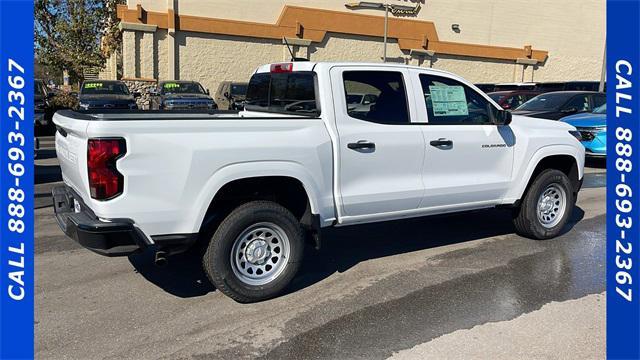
{"points": [[174, 95], [252, 187]]}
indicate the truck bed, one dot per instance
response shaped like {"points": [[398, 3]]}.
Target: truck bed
{"points": [[176, 161]]}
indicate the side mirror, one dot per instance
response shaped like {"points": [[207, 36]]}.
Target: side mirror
{"points": [[569, 110], [137, 94], [207, 91], [503, 117]]}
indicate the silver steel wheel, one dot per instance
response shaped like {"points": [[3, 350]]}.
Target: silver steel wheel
{"points": [[260, 253], [551, 206]]}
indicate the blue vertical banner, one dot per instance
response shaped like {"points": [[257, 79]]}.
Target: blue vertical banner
{"points": [[16, 179], [623, 180]]}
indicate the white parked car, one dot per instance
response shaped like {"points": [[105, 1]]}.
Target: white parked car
{"points": [[253, 185]]}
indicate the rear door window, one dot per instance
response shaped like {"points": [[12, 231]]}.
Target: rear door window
{"points": [[287, 93], [384, 98]]}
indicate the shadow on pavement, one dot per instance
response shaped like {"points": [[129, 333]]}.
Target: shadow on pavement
{"points": [[599, 163], [183, 276], [43, 154], [343, 248], [47, 173]]}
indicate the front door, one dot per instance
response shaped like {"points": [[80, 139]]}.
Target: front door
{"points": [[468, 159], [381, 153]]}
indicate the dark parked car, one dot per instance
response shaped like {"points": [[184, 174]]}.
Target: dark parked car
{"points": [[106, 94], [556, 105], [231, 95], [512, 99], [569, 86], [177, 95], [514, 86], [550, 86], [486, 87], [583, 86], [41, 98]]}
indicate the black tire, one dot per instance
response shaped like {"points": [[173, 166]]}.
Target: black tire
{"points": [[526, 219], [217, 261]]}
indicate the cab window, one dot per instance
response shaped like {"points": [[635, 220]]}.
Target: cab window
{"points": [[450, 102], [382, 95]]}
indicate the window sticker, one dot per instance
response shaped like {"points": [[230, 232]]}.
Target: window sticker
{"points": [[93, 85], [171, 85], [448, 100]]}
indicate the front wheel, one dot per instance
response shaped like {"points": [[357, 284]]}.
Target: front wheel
{"points": [[255, 252], [546, 207]]}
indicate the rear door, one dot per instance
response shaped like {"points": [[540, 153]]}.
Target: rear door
{"points": [[468, 158], [381, 151]]}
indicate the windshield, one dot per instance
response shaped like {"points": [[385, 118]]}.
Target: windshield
{"points": [[238, 89], [283, 92], [545, 102], [181, 88], [104, 88], [601, 109]]}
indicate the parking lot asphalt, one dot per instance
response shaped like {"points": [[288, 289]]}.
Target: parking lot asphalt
{"points": [[454, 286]]}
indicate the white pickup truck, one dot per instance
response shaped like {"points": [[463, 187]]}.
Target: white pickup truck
{"points": [[253, 186]]}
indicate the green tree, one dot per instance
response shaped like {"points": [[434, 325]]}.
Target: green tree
{"points": [[75, 34]]}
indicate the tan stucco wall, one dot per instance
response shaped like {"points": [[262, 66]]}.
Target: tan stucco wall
{"points": [[573, 32], [162, 54], [211, 59], [343, 47]]}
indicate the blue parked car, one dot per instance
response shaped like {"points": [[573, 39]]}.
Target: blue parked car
{"points": [[593, 128]]}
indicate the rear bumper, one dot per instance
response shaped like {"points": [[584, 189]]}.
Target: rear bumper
{"points": [[118, 237]]}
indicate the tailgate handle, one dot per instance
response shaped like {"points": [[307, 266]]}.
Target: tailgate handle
{"points": [[62, 131]]}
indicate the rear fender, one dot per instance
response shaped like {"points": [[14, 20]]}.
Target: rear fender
{"points": [[240, 171]]}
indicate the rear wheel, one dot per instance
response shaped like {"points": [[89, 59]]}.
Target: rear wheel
{"points": [[255, 252], [546, 207]]}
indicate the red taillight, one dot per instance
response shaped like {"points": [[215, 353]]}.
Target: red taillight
{"points": [[282, 68], [105, 182]]}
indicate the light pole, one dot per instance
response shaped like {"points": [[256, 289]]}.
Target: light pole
{"points": [[386, 7]]}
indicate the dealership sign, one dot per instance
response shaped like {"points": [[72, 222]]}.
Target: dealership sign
{"points": [[623, 180]]}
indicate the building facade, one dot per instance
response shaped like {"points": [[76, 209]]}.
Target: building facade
{"points": [[482, 40]]}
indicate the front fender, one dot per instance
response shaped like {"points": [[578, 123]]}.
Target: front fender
{"points": [[524, 173]]}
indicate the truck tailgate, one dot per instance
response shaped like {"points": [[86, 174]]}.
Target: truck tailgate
{"points": [[71, 149]]}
